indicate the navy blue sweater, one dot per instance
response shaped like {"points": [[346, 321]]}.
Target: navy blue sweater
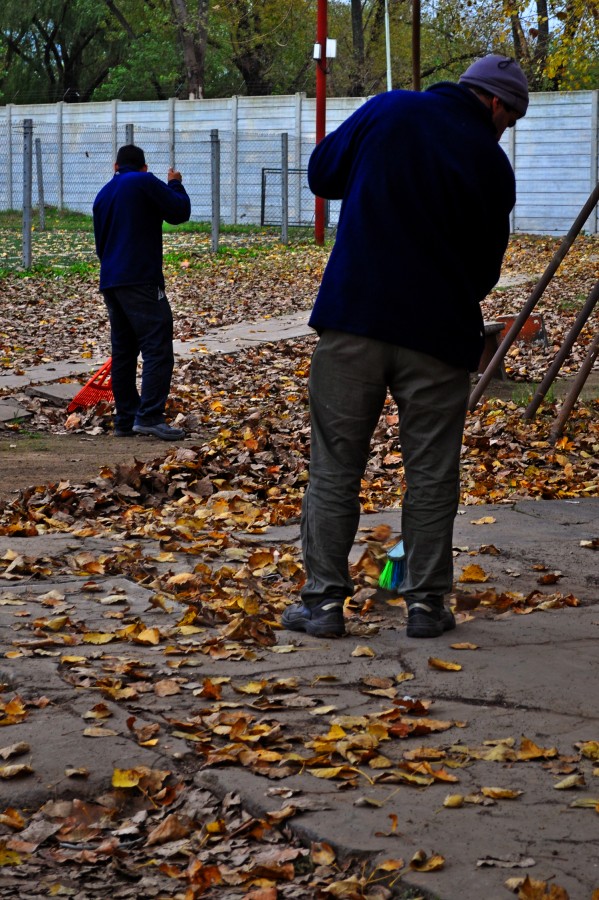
{"points": [[424, 222], [128, 216]]}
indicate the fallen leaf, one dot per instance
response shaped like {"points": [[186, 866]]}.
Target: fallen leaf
{"points": [[442, 665], [421, 862], [363, 651], [496, 793], [473, 574], [571, 781]]}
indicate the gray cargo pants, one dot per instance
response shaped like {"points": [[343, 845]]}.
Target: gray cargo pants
{"points": [[349, 379]]}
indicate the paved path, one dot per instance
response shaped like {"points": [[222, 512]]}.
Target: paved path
{"points": [[44, 380], [530, 678]]}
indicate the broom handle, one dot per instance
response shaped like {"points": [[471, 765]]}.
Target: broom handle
{"points": [[534, 297]]}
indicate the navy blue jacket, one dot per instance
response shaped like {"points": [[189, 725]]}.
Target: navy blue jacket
{"points": [[424, 222], [128, 216]]}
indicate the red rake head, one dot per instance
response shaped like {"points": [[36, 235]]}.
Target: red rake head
{"points": [[99, 387]]}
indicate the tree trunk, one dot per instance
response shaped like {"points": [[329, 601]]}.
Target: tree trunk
{"points": [[357, 30], [193, 34]]}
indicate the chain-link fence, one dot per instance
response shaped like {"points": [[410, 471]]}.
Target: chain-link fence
{"points": [[231, 179]]}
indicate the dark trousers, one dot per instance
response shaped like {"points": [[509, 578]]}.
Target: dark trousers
{"points": [[349, 380], [141, 321]]}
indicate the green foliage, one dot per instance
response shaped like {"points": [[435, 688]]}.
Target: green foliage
{"points": [[133, 49]]}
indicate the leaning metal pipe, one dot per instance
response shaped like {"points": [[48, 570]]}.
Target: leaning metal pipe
{"points": [[563, 352], [575, 390], [535, 296]]}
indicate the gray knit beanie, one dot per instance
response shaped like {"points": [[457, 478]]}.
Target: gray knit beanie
{"points": [[500, 76]]}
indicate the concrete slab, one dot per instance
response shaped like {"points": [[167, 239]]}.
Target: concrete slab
{"points": [[11, 409], [58, 392]]}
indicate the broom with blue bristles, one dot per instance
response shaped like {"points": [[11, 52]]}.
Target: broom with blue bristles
{"points": [[394, 570]]}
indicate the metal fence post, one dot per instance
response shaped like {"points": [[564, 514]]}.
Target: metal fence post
{"points": [[9, 162], [284, 188], [171, 132], [60, 154], [40, 184], [594, 151], [234, 157], [27, 176], [129, 134], [215, 169]]}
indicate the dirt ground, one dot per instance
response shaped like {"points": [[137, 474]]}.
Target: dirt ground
{"points": [[41, 458]]}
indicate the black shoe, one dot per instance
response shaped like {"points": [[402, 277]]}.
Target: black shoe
{"points": [[427, 619], [324, 619], [447, 619], [161, 430], [124, 432]]}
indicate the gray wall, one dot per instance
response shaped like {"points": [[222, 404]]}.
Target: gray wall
{"points": [[554, 151]]}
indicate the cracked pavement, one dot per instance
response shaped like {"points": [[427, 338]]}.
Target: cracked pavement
{"points": [[530, 675]]}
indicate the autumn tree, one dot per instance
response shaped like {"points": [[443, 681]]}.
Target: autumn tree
{"points": [[557, 43]]}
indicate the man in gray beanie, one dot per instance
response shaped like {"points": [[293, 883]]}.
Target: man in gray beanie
{"points": [[501, 85], [426, 196]]}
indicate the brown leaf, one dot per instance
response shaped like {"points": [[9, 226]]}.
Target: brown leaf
{"points": [[173, 828]]}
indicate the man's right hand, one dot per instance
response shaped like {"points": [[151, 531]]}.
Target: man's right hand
{"points": [[173, 175]]}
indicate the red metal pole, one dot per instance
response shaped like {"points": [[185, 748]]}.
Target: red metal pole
{"points": [[321, 114]]}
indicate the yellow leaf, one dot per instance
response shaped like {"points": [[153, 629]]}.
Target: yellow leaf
{"points": [[473, 574], [454, 801], [148, 636], [335, 772], [589, 749], [586, 803], [322, 854], [529, 750], [444, 666], [126, 778], [390, 865], [486, 520], [9, 857], [464, 646], [97, 637], [12, 818], [363, 651], [404, 676], [420, 862], [571, 781], [322, 710], [15, 770], [534, 889], [496, 793]]}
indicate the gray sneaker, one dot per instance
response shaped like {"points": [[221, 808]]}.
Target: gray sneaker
{"points": [[161, 430]]}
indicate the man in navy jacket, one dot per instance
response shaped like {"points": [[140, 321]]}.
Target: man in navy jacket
{"points": [[424, 223], [128, 215]]}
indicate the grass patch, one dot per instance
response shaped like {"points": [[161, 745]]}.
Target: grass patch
{"points": [[522, 394], [56, 220], [66, 245]]}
